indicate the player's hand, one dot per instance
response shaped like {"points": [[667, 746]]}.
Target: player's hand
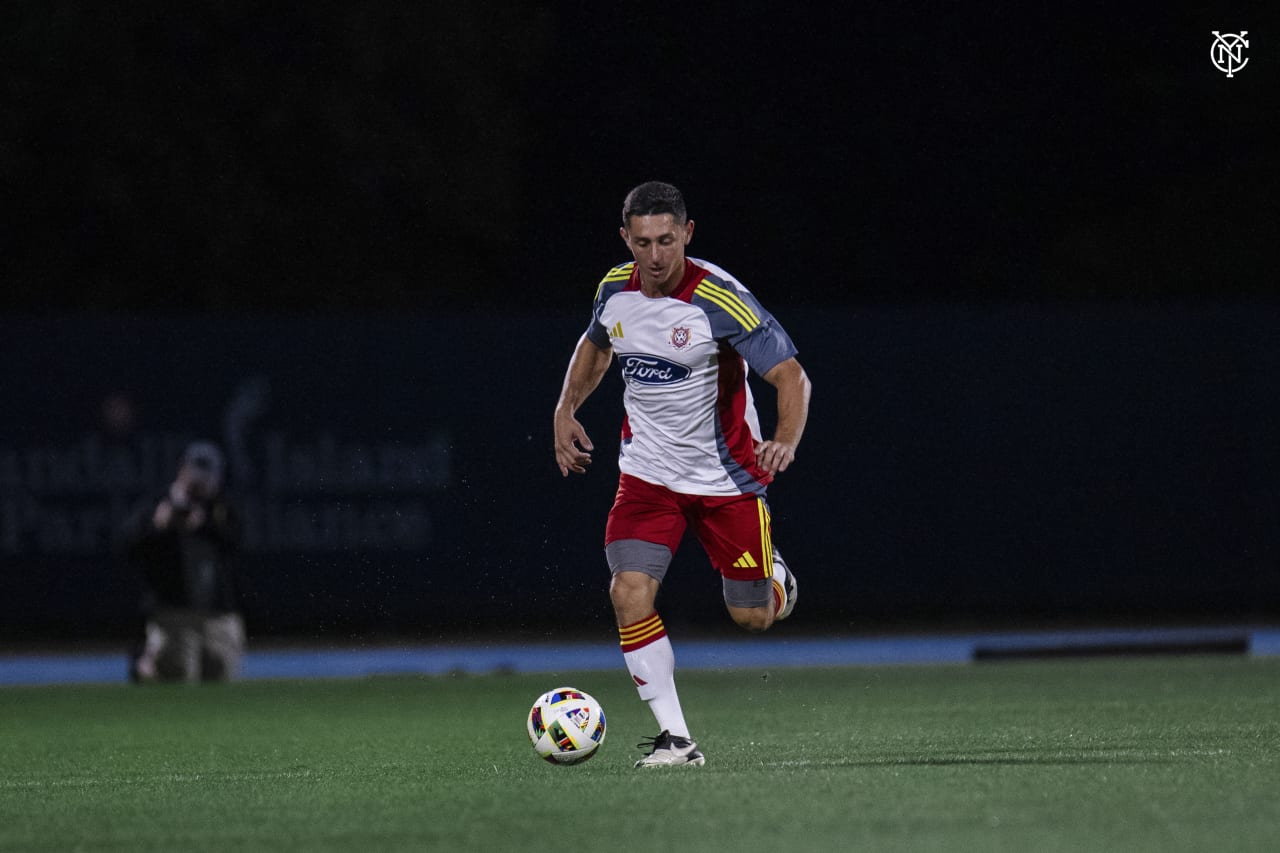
{"points": [[573, 447], [775, 456]]}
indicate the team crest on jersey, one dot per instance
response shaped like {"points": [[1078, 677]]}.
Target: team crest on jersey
{"points": [[680, 337]]}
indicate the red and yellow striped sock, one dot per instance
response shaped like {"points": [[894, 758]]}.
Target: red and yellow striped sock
{"points": [[637, 635]]}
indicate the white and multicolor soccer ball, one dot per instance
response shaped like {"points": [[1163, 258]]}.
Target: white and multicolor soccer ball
{"points": [[566, 726]]}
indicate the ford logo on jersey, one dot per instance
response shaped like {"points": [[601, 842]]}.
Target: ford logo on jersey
{"points": [[651, 370]]}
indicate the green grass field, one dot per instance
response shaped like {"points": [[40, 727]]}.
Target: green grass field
{"points": [[1120, 754]]}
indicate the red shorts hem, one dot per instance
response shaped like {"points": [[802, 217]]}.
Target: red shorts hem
{"points": [[734, 530]]}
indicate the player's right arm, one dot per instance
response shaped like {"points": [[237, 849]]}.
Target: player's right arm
{"points": [[586, 368]]}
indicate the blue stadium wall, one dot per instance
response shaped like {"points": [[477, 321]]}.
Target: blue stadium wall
{"points": [[993, 465]]}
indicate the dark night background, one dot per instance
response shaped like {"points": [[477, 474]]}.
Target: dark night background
{"points": [[226, 156], [1028, 252]]}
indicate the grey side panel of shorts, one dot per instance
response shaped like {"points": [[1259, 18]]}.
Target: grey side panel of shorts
{"points": [[637, 555], [748, 593]]}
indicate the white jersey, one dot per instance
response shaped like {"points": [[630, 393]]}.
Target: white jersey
{"points": [[691, 424]]}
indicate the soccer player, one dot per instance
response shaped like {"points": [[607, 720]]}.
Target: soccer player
{"points": [[684, 332]]}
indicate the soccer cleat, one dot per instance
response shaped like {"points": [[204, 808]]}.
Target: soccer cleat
{"points": [[668, 750], [788, 585]]}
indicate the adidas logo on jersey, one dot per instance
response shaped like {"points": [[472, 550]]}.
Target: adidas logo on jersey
{"points": [[746, 561], [616, 331]]}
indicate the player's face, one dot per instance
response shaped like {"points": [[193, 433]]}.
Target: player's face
{"points": [[657, 243]]}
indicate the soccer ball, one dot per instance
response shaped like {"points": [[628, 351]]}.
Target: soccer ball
{"points": [[566, 726]]}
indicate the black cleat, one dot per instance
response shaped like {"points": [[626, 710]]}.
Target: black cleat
{"points": [[668, 750]]}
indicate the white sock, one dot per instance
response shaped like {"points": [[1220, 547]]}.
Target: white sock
{"points": [[652, 664], [779, 568], [779, 580]]}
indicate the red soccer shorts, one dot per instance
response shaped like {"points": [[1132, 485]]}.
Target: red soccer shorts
{"points": [[733, 529]]}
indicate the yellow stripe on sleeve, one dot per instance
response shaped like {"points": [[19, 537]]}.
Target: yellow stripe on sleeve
{"points": [[730, 302], [621, 273]]}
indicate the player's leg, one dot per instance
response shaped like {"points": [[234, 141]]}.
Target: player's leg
{"points": [[637, 568], [751, 604], [756, 605], [737, 536], [644, 529]]}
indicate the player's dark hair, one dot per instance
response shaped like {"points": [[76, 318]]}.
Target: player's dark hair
{"points": [[654, 199]]}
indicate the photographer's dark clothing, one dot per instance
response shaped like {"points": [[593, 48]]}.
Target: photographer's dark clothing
{"points": [[183, 549], [182, 568]]}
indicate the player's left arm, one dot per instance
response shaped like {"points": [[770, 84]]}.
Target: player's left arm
{"points": [[793, 388]]}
